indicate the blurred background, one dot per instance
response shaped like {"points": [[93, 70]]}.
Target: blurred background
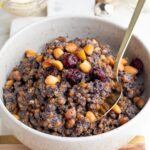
{"points": [[107, 9]]}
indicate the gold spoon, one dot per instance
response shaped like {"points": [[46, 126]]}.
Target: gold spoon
{"points": [[113, 99]]}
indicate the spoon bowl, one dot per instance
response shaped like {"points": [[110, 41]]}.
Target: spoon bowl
{"points": [[113, 99]]}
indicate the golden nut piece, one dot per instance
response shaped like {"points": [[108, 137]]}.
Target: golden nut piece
{"points": [[121, 67], [90, 116], [58, 64], [71, 47], [9, 83], [99, 62], [46, 63], [49, 50], [122, 120], [85, 66], [97, 49], [139, 102], [39, 58], [70, 113], [94, 41], [30, 53], [17, 117], [130, 70], [16, 75], [89, 49], [111, 60], [51, 80], [124, 61], [81, 54], [70, 123], [117, 109], [58, 52], [103, 57]]}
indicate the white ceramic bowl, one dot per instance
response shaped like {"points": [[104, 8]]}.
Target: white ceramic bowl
{"points": [[34, 37]]}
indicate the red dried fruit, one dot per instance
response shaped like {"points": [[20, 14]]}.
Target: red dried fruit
{"points": [[52, 71], [74, 76], [70, 61], [138, 64], [98, 73]]}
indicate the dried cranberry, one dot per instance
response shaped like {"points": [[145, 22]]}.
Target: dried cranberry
{"points": [[98, 73], [70, 61], [138, 64], [74, 76], [53, 71]]}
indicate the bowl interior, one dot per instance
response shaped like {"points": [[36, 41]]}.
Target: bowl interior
{"points": [[36, 35]]}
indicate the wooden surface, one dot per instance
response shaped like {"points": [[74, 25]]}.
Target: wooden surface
{"points": [[11, 143], [13, 147], [8, 139]]}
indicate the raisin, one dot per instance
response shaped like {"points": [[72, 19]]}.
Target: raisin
{"points": [[98, 73], [74, 76], [70, 61], [138, 64], [52, 71]]}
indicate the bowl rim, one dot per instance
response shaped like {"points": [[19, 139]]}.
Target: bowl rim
{"points": [[60, 138]]}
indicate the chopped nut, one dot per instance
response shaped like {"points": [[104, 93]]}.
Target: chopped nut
{"points": [[124, 61], [123, 120], [46, 63], [85, 66], [111, 60], [139, 102], [117, 109], [39, 58], [80, 116], [71, 92], [83, 84], [99, 62], [16, 116], [94, 41], [121, 67], [49, 50], [51, 80], [106, 61], [9, 83], [16, 75], [71, 47], [58, 124], [98, 107], [58, 52], [70, 123], [61, 101], [130, 70], [90, 116], [136, 99], [30, 53], [71, 113], [97, 49], [89, 49], [58, 64], [81, 54], [102, 57], [59, 78]]}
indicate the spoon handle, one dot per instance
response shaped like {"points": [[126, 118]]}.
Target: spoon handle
{"points": [[128, 35]]}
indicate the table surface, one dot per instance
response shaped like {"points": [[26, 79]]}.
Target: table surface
{"points": [[121, 16]]}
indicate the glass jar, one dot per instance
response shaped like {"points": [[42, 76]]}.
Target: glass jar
{"points": [[24, 7]]}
